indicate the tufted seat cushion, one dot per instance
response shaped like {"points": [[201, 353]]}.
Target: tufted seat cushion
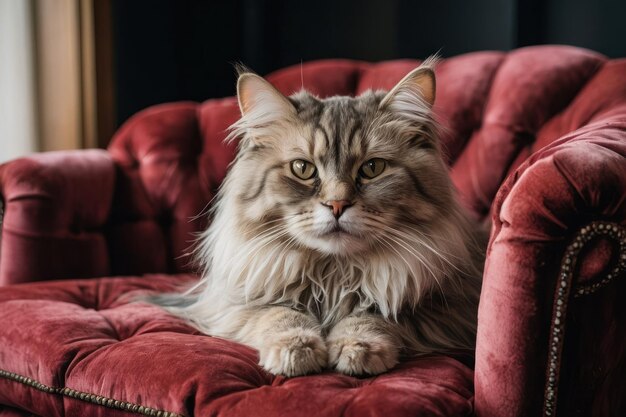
{"points": [[88, 346]]}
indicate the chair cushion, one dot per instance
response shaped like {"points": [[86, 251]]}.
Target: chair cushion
{"points": [[82, 347]]}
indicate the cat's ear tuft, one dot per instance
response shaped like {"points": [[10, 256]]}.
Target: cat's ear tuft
{"points": [[255, 94], [418, 84]]}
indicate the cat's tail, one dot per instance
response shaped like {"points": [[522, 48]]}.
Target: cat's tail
{"points": [[176, 301], [168, 300]]}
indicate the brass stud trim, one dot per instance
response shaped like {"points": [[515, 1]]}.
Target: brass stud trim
{"points": [[615, 232], [565, 284], [86, 397]]}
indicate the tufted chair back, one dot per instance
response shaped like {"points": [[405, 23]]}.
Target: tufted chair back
{"points": [[496, 108], [135, 208]]}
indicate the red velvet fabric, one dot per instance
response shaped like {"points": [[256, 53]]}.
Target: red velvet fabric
{"points": [[559, 189], [85, 335], [6, 411], [536, 137], [56, 206]]}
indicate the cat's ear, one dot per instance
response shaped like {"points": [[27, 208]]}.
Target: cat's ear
{"points": [[418, 86], [259, 96]]}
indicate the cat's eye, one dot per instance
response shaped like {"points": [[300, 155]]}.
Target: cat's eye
{"points": [[373, 168], [303, 169]]}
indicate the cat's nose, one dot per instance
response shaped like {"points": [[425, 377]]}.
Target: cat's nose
{"points": [[337, 206]]}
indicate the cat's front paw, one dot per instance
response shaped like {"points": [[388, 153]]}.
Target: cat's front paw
{"points": [[294, 352], [361, 356]]}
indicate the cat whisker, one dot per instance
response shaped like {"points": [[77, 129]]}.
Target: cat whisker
{"points": [[390, 234], [280, 220], [205, 210], [256, 245], [390, 246], [430, 267], [421, 233], [414, 239], [278, 232], [283, 220], [421, 243], [286, 247]]}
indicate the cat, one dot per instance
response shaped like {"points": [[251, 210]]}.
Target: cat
{"points": [[337, 240]]}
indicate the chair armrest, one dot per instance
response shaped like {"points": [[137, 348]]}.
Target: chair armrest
{"points": [[55, 205], [558, 235]]}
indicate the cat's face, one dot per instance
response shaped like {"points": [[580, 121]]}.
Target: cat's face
{"points": [[341, 175]]}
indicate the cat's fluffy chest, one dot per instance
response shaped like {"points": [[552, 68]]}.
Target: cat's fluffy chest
{"points": [[332, 287], [335, 290]]}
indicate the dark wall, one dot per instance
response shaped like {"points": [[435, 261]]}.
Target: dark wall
{"points": [[455, 26], [167, 50], [599, 25]]}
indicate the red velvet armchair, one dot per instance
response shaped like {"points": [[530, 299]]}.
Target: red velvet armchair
{"points": [[536, 142]]}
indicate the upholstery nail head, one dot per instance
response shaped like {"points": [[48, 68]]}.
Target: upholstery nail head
{"points": [[584, 235]]}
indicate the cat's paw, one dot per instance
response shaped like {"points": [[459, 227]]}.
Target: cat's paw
{"points": [[362, 356], [294, 352]]}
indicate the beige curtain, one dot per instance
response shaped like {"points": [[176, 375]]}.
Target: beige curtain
{"points": [[73, 73], [65, 74], [56, 75]]}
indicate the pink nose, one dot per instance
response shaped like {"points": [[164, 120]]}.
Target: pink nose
{"points": [[338, 206]]}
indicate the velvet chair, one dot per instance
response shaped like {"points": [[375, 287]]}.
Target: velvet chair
{"points": [[536, 143]]}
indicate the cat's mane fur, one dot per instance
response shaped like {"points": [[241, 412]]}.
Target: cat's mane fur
{"points": [[428, 284]]}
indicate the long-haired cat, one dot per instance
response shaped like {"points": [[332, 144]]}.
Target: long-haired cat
{"points": [[336, 239]]}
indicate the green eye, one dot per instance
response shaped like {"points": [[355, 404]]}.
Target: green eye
{"points": [[373, 168], [303, 169]]}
